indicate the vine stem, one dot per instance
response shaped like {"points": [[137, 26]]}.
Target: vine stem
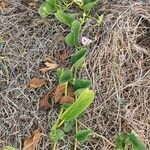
{"points": [[54, 146], [66, 88], [57, 125], [76, 142]]}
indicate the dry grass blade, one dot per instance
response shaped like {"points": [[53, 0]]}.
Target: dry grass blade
{"points": [[32, 141]]}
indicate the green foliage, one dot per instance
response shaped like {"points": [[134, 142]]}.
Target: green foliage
{"points": [[64, 75], [78, 92], [136, 143], [56, 135], [84, 97], [65, 106], [82, 135], [80, 3], [89, 5], [59, 72], [100, 19], [69, 125], [80, 105], [81, 84], [72, 39], [64, 18], [78, 58], [9, 148], [123, 139], [48, 8]]}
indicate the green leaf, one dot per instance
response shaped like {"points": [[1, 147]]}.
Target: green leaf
{"points": [[80, 105], [65, 106], [57, 135], [48, 8], [72, 39], [80, 84], [88, 6], [78, 92], [65, 76], [88, 1], [82, 135], [136, 143], [64, 18], [78, 58], [9, 148], [69, 125], [59, 72], [121, 141]]}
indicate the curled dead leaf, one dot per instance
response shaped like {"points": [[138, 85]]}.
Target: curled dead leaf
{"points": [[3, 5], [44, 100], [51, 65], [31, 142], [64, 55], [59, 92], [36, 83], [66, 100], [44, 69], [70, 91]]}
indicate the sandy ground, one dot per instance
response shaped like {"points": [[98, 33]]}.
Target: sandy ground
{"points": [[118, 64]]}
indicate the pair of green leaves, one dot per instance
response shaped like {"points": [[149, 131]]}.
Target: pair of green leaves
{"points": [[123, 139], [82, 135], [49, 7], [56, 135], [78, 58], [88, 5], [64, 75], [72, 39]]}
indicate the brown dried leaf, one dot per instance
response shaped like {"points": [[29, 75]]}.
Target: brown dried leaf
{"points": [[44, 69], [66, 100], [32, 4], [59, 92], [49, 59], [36, 83], [51, 65], [44, 100], [64, 55], [70, 91], [31, 142], [3, 6]]}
